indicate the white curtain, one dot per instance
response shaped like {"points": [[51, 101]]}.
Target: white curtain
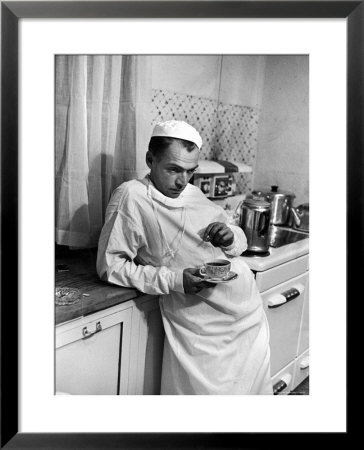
{"points": [[102, 129]]}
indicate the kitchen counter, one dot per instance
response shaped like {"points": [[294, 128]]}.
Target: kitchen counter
{"points": [[81, 274], [278, 256]]}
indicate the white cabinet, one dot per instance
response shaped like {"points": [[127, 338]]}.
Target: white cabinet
{"points": [[284, 290], [93, 353], [116, 351]]}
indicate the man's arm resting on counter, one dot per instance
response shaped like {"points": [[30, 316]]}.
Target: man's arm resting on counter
{"points": [[118, 246], [148, 279]]}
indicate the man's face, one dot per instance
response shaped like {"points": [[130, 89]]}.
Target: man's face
{"points": [[171, 171]]}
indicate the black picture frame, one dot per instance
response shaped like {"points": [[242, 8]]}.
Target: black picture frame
{"points": [[11, 12]]}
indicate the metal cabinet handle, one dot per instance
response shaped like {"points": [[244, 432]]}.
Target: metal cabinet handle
{"points": [[87, 334], [280, 299]]}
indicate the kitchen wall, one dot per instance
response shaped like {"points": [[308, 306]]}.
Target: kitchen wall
{"points": [[248, 108], [283, 135], [220, 95], [234, 79]]}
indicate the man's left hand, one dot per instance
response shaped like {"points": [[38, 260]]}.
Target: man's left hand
{"points": [[219, 234]]}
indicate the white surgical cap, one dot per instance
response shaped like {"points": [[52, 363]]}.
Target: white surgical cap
{"points": [[177, 129]]}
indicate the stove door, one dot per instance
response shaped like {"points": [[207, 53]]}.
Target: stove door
{"points": [[283, 306]]}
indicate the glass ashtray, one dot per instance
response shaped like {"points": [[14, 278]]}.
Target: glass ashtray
{"points": [[67, 296]]}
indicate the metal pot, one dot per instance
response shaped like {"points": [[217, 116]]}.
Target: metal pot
{"points": [[301, 217], [280, 201], [254, 220]]}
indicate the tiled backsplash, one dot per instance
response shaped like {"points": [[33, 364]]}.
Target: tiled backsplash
{"points": [[229, 132]]}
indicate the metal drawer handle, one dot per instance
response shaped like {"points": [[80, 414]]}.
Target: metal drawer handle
{"points": [[87, 334], [282, 384], [280, 299], [305, 362]]}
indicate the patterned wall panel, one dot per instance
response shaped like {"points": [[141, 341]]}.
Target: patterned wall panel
{"points": [[197, 111], [236, 133], [229, 132]]}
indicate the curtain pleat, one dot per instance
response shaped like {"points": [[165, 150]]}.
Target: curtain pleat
{"points": [[96, 115]]}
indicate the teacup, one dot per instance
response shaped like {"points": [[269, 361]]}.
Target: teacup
{"points": [[217, 269]]}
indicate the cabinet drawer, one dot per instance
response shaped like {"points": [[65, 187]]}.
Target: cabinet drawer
{"points": [[74, 331], [279, 274], [284, 322]]}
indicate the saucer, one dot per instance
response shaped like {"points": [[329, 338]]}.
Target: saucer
{"points": [[229, 277]]}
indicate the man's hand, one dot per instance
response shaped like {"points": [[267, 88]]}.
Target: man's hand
{"points": [[193, 283], [219, 234]]}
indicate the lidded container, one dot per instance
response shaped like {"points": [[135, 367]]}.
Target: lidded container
{"points": [[254, 220], [280, 201], [301, 217]]}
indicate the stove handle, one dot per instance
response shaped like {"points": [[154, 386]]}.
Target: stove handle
{"points": [[277, 300]]}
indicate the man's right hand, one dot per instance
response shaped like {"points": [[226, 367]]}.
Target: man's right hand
{"points": [[193, 282]]}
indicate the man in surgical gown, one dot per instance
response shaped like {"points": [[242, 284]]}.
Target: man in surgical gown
{"points": [[158, 232]]}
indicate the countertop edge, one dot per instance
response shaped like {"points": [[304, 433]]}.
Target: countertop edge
{"points": [[278, 256], [131, 294]]}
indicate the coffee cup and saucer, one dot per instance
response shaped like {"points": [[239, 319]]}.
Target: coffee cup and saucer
{"points": [[218, 271]]}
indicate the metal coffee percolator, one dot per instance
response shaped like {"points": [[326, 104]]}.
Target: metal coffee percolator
{"points": [[254, 220], [280, 204]]}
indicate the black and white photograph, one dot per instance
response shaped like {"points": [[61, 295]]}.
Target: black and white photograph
{"points": [[162, 282], [181, 224]]}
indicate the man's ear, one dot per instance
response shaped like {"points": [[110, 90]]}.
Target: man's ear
{"points": [[149, 159]]}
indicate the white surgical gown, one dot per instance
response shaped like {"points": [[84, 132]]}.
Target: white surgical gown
{"points": [[217, 341]]}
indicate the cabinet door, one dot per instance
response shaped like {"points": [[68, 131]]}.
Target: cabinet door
{"points": [[93, 359], [284, 323]]}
